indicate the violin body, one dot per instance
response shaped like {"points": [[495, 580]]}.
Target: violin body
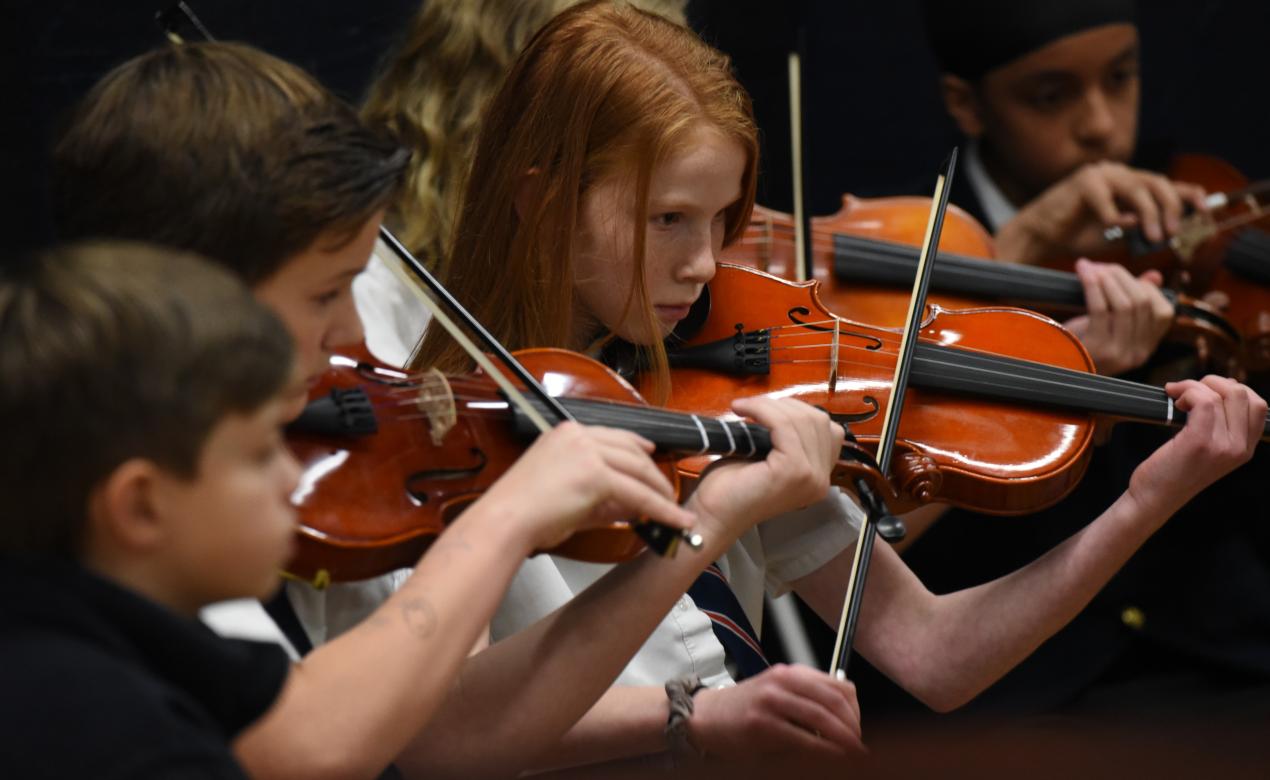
{"points": [[988, 455], [768, 245], [371, 504], [845, 255], [373, 500]]}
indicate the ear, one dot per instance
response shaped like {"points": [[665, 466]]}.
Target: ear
{"points": [[125, 510], [527, 192], [962, 101]]}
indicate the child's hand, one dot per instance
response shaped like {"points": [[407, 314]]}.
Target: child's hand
{"points": [[786, 709], [805, 448], [1223, 424], [1127, 316], [576, 477]]}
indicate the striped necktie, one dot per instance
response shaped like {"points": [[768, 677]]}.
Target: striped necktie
{"points": [[713, 596]]}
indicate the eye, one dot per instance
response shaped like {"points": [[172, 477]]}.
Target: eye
{"points": [[270, 449], [1047, 99], [1122, 76], [327, 298], [667, 219]]}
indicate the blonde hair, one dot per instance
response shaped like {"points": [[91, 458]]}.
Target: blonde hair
{"points": [[602, 90], [432, 91]]}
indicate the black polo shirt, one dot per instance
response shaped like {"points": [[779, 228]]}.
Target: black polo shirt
{"points": [[97, 681]]}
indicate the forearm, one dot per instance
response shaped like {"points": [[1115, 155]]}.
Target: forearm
{"points": [[960, 643], [627, 721], [557, 669], [352, 704]]}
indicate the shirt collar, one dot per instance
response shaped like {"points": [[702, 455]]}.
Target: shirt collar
{"points": [[996, 206]]}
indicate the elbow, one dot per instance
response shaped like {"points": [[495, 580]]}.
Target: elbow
{"points": [[943, 694], [935, 685], [945, 701], [304, 760]]}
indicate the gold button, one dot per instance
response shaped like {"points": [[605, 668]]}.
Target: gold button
{"points": [[1133, 618]]}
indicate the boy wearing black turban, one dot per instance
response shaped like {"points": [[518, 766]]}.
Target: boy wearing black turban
{"points": [[1048, 94]]}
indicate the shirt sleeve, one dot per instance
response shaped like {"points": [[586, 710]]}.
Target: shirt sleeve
{"points": [[392, 316], [798, 543]]}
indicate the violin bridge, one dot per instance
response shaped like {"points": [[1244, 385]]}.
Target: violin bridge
{"points": [[1195, 230], [436, 401]]}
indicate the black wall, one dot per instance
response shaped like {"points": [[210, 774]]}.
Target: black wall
{"points": [[874, 121]]}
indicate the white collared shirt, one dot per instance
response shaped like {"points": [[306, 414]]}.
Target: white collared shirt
{"points": [[996, 206]]}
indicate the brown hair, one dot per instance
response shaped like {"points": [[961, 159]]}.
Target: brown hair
{"points": [[220, 149], [602, 90], [433, 91], [117, 351]]}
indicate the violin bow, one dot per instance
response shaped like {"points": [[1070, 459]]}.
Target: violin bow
{"points": [[876, 515], [661, 538], [802, 247]]}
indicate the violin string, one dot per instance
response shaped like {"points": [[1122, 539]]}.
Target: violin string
{"points": [[1092, 382], [996, 374], [1239, 220], [1048, 282], [631, 416], [1001, 365], [1144, 392]]}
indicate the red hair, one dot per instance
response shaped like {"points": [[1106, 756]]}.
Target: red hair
{"points": [[602, 90]]}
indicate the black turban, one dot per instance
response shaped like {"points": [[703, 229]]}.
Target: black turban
{"points": [[973, 37]]}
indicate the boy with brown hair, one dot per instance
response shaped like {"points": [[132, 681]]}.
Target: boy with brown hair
{"points": [[145, 476]]}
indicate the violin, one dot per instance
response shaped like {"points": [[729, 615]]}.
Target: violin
{"points": [[390, 457], [866, 254], [1002, 404], [1191, 257], [1222, 254]]}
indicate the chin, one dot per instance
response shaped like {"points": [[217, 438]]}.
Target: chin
{"points": [[269, 585], [293, 405]]}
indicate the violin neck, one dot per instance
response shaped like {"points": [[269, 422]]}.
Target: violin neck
{"points": [[1010, 379], [671, 432], [873, 261]]}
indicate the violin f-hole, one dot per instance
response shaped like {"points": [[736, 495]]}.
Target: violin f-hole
{"points": [[870, 342], [416, 483], [847, 418]]}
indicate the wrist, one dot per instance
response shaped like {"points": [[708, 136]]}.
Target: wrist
{"points": [[505, 524], [680, 739], [719, 526], [1146, 507]]}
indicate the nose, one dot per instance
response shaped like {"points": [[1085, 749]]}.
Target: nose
{"points": [[289, 472], [1096, 123], [700, 262], [346, 325]]}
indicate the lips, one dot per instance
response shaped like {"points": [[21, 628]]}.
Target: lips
{"points": [[673, 312]]}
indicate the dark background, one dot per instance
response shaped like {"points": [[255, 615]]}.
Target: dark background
{"points": [[873, 119]]}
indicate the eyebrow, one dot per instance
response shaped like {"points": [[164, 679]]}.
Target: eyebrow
{"points": [[344, 276], [1130, 53], [1044, 77]]}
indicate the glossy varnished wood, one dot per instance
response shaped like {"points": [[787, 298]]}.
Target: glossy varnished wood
{"points": [[373, 504], [995, 457]]}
